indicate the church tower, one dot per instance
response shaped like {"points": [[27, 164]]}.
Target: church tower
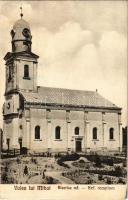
{"points": [[21, 63], [21, 75]]}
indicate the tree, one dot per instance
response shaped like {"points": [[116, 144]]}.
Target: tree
{"points": [[125, 131], [98, 161]]}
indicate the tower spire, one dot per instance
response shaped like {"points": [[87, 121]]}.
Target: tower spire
{"points": [[21, 14]]}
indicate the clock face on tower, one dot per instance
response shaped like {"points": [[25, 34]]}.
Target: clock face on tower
{"points": [[26, 33], [8, 105]]}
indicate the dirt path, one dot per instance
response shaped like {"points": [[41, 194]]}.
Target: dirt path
{"points": [[54, 174], [59, 177], [35, 180]]}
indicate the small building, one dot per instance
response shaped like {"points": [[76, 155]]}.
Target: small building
{"points": [[43, 119]]}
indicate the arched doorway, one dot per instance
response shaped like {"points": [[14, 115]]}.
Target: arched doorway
{"points": [[78, 145]]}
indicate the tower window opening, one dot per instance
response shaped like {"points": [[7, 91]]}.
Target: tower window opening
{"points": [[37, 132], [57, 133], [9, 73], [94, 133], [77, 131], [111, 133], [26, 71]]}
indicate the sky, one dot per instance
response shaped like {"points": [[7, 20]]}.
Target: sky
{"points": [[81, 45]]}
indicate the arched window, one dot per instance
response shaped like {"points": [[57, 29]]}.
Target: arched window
{"points": [[26, 71], [10, 73], [111, 133], [94, 133], [77, 131], [57, 133], [37, 132]]}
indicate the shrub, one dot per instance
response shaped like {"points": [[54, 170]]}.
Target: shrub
{"points": [[70, 157], [50, 180], [100, 177], [18, 161], [61, 163], [4, 178], [118, 171], [81, 161], [124, 163], [110, 162], [109, 180], [63, 174], [6, 169], [121, 181], [24, 150], [98, 161], [89, 181]]}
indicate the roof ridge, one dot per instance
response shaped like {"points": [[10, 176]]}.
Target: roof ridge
{"points": [[77, 90]]}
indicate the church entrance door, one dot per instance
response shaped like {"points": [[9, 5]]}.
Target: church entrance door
{"points": [[78, 146]]}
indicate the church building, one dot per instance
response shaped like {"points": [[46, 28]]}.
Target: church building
{"points": [[47, 119]]}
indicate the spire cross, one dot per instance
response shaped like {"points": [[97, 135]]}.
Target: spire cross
{"points": [[21, 14]]}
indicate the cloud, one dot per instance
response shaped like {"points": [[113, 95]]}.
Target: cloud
{"points": [[65, 43], [79, 62], [113, 50]]}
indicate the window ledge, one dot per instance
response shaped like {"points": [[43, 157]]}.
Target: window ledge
{"points": [[26, 78], [112, 140], [95, 140], [37, 139], [58, 140]]}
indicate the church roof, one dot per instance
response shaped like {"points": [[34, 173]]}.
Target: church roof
{"points": [[16, 54], [49, 95]]}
